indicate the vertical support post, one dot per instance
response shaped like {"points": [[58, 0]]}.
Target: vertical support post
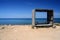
{"points": [[33, 18], [50, 17]]}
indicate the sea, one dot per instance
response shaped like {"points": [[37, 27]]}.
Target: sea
{"points": [[23, 21]]}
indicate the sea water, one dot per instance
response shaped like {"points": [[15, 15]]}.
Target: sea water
{"points": [[23, 21]]}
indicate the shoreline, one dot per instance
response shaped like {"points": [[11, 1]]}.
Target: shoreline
{"points": [[57, 24]]}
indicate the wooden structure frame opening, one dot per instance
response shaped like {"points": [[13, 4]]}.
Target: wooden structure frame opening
{"points": [[49, 17]]}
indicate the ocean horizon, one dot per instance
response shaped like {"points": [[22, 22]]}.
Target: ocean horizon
{"points": [[23, 21]]}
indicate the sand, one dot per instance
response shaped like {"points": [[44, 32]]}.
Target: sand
{"points": [[25, 32]]}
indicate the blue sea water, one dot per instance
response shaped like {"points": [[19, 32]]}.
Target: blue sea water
{"points": [[22, 21]]}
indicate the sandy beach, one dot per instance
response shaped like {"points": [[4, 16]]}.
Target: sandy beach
{"points": [[25, 32]]}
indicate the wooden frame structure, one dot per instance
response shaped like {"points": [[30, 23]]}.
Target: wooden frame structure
{"points": [[49, 17]]}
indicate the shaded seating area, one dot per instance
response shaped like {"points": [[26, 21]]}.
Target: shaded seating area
{"points": [[49, 18]]}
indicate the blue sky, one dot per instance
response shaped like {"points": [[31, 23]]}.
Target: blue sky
{"points": [[23, 8]]}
